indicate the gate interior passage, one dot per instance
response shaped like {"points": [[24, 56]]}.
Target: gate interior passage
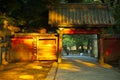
{"points": [[47, 49]]}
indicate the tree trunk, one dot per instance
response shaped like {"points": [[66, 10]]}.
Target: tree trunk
{"points": [[103, 1], [82, 49], [66, 50]]}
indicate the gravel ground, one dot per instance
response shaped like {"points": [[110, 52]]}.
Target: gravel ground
{"points": [[37, 70]]}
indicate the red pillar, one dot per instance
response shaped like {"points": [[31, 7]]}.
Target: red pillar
{"points": [[101, 47]]}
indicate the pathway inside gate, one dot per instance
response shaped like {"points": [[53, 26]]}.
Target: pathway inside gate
{"points": [[37, 70], [85, 68]]}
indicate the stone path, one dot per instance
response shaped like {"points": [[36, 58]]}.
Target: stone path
{"points": [[85, 68], [26, 71]]}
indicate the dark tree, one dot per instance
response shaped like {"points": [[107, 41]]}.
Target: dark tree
{"points": [[103, 1], [27, 13], [74, 1]]}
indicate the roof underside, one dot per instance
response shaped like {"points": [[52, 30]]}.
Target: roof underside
{"points": [[92, 15]]}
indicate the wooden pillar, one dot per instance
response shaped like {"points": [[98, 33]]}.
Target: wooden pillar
{"points": [[101, 54], [60, 45], [101, 47]]}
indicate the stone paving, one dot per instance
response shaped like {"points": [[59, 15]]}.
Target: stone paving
{"points": [[71, 68], [85, 68], [37, 70]]}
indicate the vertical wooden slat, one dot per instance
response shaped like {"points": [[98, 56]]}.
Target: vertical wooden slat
{"points": [[66, 15], [60, 16], [91, 16], [82, 16], [99, 16], [49, 22], [77, 16], [56, 15], [102, 16], [70, 21], [88, 16], [105, 17], [74, 12], [73, 18], [52, 16], [96, 19], [63, 18], [71, 15], [53, 20]]}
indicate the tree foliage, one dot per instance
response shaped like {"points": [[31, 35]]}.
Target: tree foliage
{"points": [[68, 41], [111, 2], [117, 18], [76, 40], [27, 13], [33, 14]]}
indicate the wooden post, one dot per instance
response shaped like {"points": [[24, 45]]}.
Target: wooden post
{"points": [[101, 47], [101, 55], [60, 46]]}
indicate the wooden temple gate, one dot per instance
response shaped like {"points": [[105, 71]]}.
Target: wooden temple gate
{"points": [[81, 19], [69, 19]]}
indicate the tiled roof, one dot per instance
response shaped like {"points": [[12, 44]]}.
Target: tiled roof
{"points": [[68, 15]]}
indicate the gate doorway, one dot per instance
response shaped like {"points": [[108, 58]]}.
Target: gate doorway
{"points": [[47, 49], [78, 45]]}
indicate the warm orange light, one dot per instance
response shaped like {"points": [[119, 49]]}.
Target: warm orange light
{"points": [[21, 49], [46, 49], [86, 63], [107, 53], [29, 48], [106, 65], [69, 67], [30, 77]]}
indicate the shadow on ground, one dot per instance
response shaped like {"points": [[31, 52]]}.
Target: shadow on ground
{"points": [[37, 70]]}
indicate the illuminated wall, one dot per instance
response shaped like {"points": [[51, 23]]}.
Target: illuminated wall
{"points": [[27, 47], [46, 49], [21, 49]]}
